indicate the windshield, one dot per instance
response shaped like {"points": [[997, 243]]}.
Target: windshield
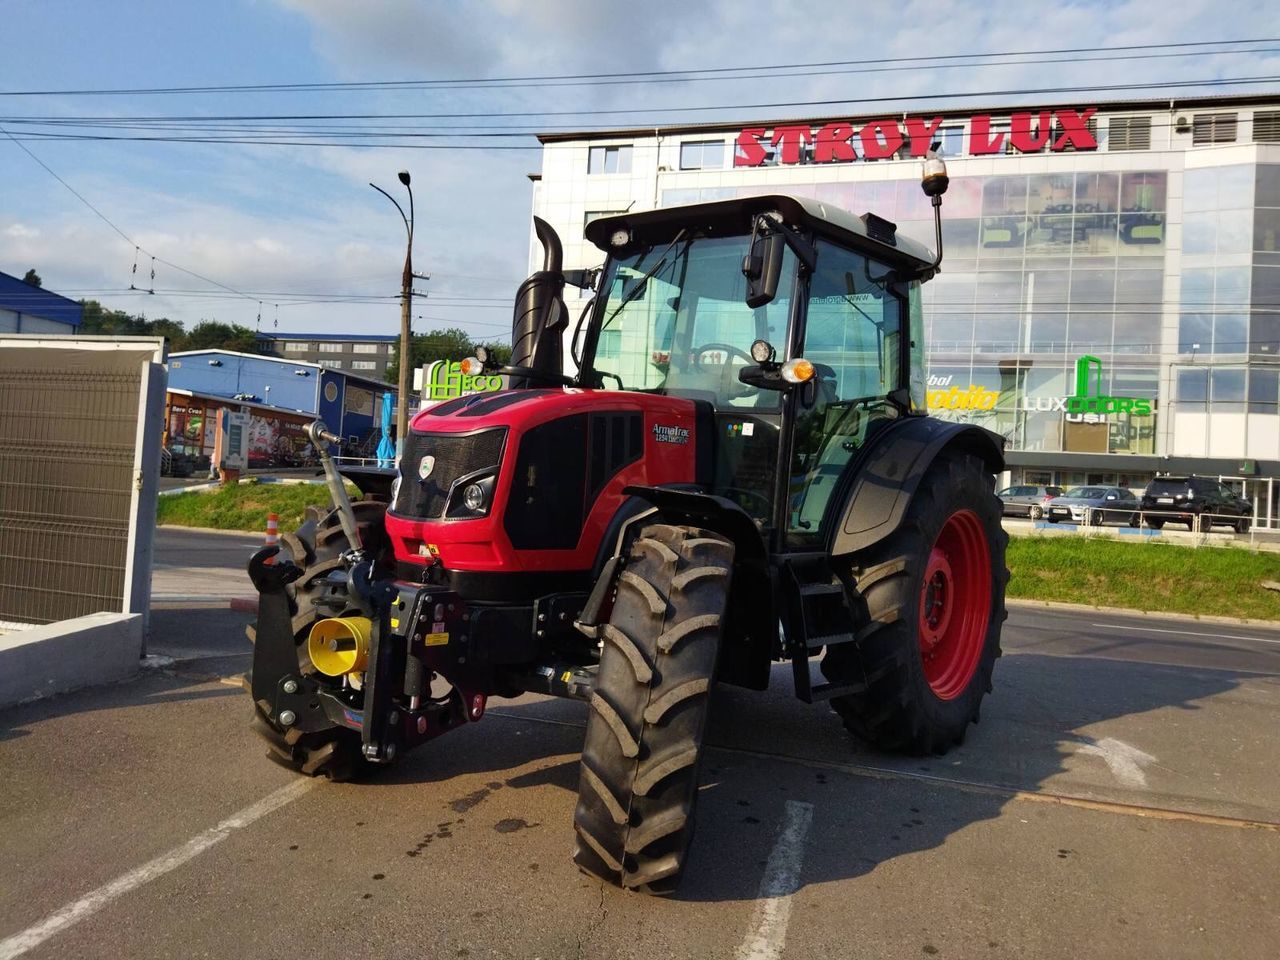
{"points": [[686, 330], [1087, 493]]}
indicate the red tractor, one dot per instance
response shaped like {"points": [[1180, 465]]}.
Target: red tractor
{"points": [[741, 471]]}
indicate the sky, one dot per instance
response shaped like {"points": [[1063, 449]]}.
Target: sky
{"points": [[297, 228]]}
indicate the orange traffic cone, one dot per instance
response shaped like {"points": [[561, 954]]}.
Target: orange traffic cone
{"points": [[273, 534]]}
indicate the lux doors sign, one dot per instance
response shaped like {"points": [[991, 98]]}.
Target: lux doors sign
{"points": [[841, 142]]}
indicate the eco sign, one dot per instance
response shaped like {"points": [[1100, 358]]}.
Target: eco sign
{"points": [[445, 381], [1089, 397]]}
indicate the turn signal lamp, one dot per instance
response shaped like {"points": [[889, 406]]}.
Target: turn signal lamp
{"points": [[471, 367], [797, 370]]}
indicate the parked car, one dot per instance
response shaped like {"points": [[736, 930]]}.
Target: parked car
{"points": [[1199, 502], [1027, 501], [1094, 505]]}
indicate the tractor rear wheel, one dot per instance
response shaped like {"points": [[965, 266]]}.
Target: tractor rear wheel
{"points": [[931, 601], [316, 547], [639, 775]]}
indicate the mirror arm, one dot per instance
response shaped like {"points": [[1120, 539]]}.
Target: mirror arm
{"points": [[802, 248]]}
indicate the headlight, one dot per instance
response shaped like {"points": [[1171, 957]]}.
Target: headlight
{"points": [[473, 497], [395, 488]]}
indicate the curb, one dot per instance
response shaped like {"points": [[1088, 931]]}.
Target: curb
{"points": [[239, 604], [1139, 614], [223, 533]]}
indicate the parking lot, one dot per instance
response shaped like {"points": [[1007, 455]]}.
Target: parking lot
{"points": [[1118, 799]]}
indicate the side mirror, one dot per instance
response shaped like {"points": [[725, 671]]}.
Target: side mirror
{"points": [[762, 267]]}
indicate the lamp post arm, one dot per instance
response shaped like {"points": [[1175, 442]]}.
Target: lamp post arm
{"points": [[407, 229]]}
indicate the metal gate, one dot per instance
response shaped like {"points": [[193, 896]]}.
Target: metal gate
{"points": [[70, 449]]}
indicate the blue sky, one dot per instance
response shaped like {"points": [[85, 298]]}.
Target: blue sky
{"points": [[283, 220]]}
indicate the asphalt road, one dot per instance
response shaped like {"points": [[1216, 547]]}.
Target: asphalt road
{"points": [[1119, 799]]}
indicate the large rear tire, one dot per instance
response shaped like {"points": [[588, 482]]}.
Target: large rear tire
{"points": [[639, 775], [930, 598], [316, 547]]}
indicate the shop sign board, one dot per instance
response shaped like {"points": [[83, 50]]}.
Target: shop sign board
{"points": [[841, 142], [444, 380]]}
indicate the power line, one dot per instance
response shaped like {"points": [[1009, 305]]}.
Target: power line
{"points": [[1098, 88], [102, 216], [645, 76]]}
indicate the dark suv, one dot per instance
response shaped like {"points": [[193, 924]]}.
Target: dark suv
{"points": [[1199, 502]]}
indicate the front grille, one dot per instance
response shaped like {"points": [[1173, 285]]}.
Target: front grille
{"points": [[455, 455]]}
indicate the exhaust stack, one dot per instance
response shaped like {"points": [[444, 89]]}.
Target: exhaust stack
{"points": [[537, 330]]}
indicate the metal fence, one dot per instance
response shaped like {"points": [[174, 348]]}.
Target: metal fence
{"points": [[68, 440]]}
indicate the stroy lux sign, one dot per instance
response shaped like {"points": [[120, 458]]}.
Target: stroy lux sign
{"points": [[841, 142]]}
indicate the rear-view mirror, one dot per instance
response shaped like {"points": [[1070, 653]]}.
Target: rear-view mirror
{"points": [[762, 267]]}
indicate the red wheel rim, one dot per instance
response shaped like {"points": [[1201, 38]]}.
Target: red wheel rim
{"points": [[955, 604]]}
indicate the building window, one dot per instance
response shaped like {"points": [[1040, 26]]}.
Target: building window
{"points": [[366, 348], [1264, 390], [1209, 128], [1129, 133], [297, 346], [591, 215], [1055, 132], [1266, 126], [952, 139], [364, 365], [609, 159], [702, 155], [331, 347], [331, 364]]}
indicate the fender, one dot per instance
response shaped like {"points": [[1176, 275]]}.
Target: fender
{"points": [[888, 473], [752, 617]]}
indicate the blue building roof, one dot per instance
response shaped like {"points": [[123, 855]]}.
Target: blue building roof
{"points": [[354, 337], [21, 297]]}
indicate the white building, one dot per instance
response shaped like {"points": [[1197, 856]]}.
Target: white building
{"points": [[1145, 234]]}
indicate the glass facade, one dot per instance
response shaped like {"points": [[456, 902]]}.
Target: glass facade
{"points": [[1041, 269]]}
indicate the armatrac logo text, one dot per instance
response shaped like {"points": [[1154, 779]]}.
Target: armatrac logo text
{"points": [[842, 142]]}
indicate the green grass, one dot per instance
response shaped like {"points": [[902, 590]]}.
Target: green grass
{"points": [[1144, 576], [1147, 576], [244, 506]]}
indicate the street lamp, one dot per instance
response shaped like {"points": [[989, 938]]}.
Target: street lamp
{"points": [[406, 295]]}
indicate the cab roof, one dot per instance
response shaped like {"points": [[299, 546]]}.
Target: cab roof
{"points": [[872, 235]]}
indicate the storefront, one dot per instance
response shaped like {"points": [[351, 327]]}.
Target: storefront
{"points": [[276, 438], [1141, 237]]}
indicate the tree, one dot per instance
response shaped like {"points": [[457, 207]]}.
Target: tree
{"points": [[212, 335], [450, 344], [32, 278]]}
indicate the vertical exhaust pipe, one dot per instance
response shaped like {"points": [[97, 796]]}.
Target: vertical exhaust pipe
{"points": [[537, 329]]}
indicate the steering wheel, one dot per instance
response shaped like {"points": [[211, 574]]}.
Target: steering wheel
{"points": [[729, 386]]}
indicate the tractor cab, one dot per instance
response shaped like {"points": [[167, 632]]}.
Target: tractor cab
{"points": [[795, 328]]}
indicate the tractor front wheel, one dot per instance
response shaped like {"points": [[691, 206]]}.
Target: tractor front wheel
{"points": [[931, 601], [639, 775], [316, 547]]}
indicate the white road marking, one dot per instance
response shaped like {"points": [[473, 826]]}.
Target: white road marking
{"points": [[1125, 760], [91, 903], [1181, 633], [768, 932]]}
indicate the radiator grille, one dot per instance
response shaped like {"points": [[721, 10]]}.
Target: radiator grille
{"points": [[455, 455]]}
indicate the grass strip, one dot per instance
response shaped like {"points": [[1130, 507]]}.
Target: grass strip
{"points": [[244, 506], [1152, 577]]}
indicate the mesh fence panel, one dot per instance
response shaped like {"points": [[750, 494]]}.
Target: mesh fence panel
{"points": [[66, 461]]}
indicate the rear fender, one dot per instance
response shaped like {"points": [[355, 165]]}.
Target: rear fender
{"points": [[886, 479], [751, 633]]}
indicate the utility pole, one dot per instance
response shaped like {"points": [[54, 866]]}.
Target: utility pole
{"points": [[406, 306]]}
